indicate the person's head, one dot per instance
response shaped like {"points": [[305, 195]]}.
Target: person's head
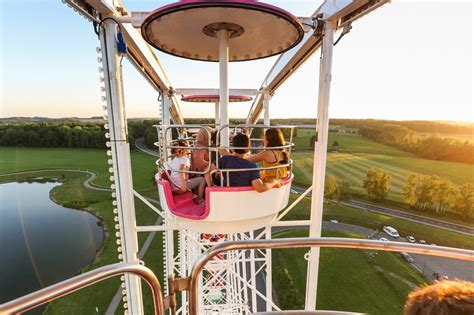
{"points": [[180, 151], [274, 138], [241, 140], [442, 298], [202, 137]]}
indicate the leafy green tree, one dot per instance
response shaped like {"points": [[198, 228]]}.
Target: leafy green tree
{"points": [[464, 200], [443, 194], [377, 183], [330, 187], [411, 188], [343, 191]]}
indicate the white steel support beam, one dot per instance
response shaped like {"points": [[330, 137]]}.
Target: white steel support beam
{"points": [[223, 36], [266, 112], [344, 11], [169, 234], [268, 271], [319, 161], [217, 114], [122, 169]]}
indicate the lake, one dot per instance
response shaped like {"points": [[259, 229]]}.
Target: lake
{"points": [[41, 242]]}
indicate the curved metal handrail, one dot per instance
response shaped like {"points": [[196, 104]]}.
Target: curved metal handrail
{"points": [[55, 291], [336, 242]]}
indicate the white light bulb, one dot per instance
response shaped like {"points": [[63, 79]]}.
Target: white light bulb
{"points": [[98, 49], [116, 219]]}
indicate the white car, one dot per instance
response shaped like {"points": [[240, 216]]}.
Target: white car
{"points": [[422, 241], [411, 239], [391, 231], [384, 239], [333, 221]]}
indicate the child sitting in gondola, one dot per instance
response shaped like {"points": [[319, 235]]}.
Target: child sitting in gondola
{"points": [[181, 181], [272, 157]]}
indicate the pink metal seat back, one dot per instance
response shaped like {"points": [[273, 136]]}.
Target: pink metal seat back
{"points": [[182, 204]]}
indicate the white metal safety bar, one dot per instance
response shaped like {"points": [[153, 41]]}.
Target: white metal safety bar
{"points": [[53, 292], [333, 242]]}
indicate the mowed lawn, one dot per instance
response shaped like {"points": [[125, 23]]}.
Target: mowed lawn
{"points": [[356, 155], [19, 159], [349, 279]]}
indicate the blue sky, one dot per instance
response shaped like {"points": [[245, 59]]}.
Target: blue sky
{"points": [[406, 60]]}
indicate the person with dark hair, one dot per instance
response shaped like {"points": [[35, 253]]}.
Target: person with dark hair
{"points": [[273, 157], [237, 161], [446, 297], [180, 180]]}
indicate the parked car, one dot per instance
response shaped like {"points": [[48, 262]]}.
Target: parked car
{"points": [[384, 239], [391, 231], [407, 257], [422, 241], [411, 239], [333, 221]]}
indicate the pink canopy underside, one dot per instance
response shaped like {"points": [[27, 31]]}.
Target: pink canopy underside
{"points": [[177, 29], [214, 98]]}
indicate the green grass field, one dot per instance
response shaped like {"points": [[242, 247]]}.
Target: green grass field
{"points": [[73, 193], [13, 159], [349, 279], [356, 155]]}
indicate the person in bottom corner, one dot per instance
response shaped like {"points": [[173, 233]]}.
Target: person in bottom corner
{"points": [[236, 161], [444, 297]]}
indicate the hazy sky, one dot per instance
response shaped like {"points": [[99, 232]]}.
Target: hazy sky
{"points": [[406, 60]]}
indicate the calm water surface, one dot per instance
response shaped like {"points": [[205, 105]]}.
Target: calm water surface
{"points": [[41, 243]]}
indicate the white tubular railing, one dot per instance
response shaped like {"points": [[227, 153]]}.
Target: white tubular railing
{"points": [[215, 149], [457, 253], [48, 294]]}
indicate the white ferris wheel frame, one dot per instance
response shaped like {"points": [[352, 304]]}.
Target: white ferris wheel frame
{"points": [[333, 15]]}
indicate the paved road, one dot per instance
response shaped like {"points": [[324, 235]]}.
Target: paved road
{"points": [[142, 147], [412, 217], [401, 214]]}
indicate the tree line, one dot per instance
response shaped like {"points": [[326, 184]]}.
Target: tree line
{"points": [[432, 192], [69, 135], [429, 147], [421, 192]]}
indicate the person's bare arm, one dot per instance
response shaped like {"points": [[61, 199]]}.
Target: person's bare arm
{"points": [[259, 157], [261, 186], [182, 178]]}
